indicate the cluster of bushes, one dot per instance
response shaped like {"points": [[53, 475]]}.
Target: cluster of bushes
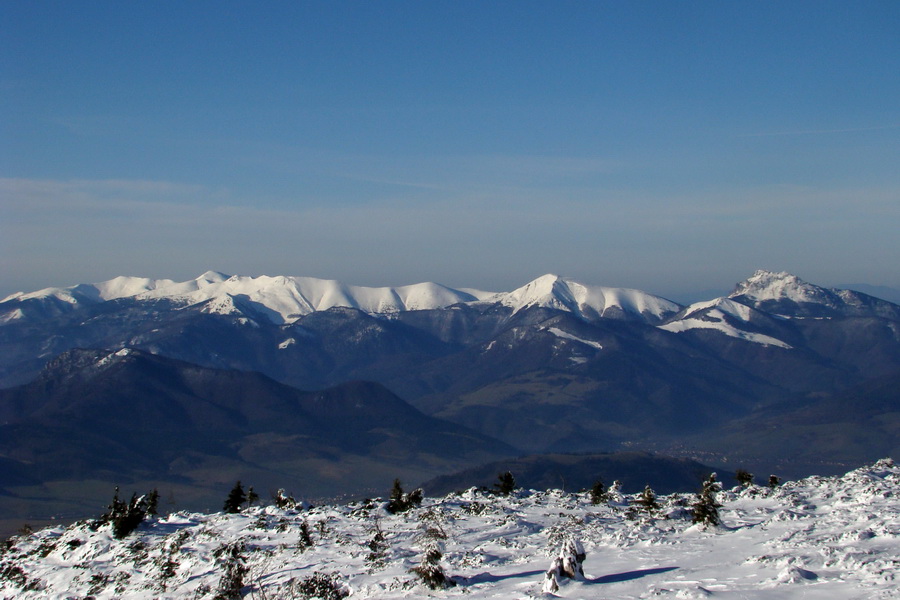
{"points": [[401, 502], [125, 517]]}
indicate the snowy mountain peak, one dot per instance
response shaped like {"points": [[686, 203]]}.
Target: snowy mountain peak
{"points": [[547, 291], [212, 277], [767, 285], [788, 295], [585, 301]]}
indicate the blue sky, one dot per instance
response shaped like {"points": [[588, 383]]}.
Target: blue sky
{"points": [[667, 146]]}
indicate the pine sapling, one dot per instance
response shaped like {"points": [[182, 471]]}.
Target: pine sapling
{"points": [[506, 483], [706, 508], [429, 570], [647, 500], [599, 495], [236, 498], [378, 547], [305, 540]]}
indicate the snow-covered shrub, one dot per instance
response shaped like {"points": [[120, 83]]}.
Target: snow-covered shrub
{"points": [[474, 508], [230, 558], [744, 477], [566, 565], [98, 583], [677, 508], [283, 500], [378, 547], [429, 570], [166, 562], [401, 502], [322, 586], [614, 494]]}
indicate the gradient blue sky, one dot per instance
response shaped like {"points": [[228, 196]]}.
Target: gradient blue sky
{"points": [[667, 146]]}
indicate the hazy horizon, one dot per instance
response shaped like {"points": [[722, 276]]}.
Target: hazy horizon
{"points": [[668, 147]]}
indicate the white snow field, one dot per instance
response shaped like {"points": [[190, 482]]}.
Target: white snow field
{"points": [[818, 538]]}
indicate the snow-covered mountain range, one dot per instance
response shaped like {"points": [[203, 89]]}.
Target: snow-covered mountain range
{"points": [[283, 300], [820, 538], [425, 340], [553, 366]]}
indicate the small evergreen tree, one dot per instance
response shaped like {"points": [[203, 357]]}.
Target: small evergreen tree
{"points": [[599, 495], [251, 496], [305, 539], [706, 508], [774, 481], [153, 503], [647, 500], [236, 498], [506, 483], [397, 502], [744, 477]]}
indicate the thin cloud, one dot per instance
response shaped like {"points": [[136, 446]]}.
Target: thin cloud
{"points": [[65, 232], [800, 132]]}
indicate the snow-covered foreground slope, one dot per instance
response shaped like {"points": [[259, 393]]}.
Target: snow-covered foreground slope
{"points": [[820, 538]]}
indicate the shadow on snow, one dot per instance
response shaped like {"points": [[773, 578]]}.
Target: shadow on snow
{"points": [[629, 575], [488, 578], [614, 578]]}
